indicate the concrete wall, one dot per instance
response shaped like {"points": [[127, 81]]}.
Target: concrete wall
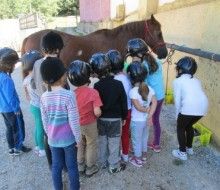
{"points": [[94, 10], [197, 26], [11, 35], [191, 23]]}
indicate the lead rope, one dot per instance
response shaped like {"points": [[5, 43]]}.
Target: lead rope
{"points": [[169, 62]]}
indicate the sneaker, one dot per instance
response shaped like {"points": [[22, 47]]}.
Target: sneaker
{"points": [[17, 152], [36, 149], [124, 157], [104, 165], [189, 151], [91, 170], [144, 158], [113, 170], [136, 162], [11, 151], [180, 155], [41, 153], [155, 148], [82, 167], [25, 149]]}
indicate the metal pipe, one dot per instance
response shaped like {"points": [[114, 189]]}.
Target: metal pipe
{"points": [[197, 52]]}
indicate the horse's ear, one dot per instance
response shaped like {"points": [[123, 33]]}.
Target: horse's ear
{"points": [[152, 17]]}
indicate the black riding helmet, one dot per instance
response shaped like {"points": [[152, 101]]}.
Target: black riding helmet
{"points": [[186, 65], [136, 46], [52, 69], [115, 58], [8, 58], [79, 72], [29, 58], [137, 72], [52, 42], [100, 64]]}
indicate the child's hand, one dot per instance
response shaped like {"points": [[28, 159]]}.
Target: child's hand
{"points": [[123, 122], [148, 110], [17, 113], [97, 111]]}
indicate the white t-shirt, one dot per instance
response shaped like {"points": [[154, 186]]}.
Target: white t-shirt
{"points": [[134, 94], [190, 99], [127, 86], [34, 98]]}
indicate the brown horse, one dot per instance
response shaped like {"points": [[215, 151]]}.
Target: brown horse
{"points": [[82, 47]]}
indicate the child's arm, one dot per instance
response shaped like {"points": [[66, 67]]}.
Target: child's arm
{"points": [[44, 116], [97, 103], [97, 111], [73, 117], [27, 94], [138, 106], [124, 104], [25, 84], [10, 95], [153, 107], [177, 96]]}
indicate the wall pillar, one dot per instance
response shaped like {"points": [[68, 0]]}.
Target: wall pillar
{"points": [[147, 7]]}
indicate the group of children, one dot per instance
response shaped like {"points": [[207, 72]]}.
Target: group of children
{"points": [[86, 128]]}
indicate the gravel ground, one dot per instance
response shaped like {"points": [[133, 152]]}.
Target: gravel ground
{"points": [[161, 172]]}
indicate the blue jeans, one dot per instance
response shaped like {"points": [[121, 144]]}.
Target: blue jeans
{"points": [[60, 157], [15, 130]]}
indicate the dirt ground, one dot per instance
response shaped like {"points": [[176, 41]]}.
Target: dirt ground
{"points": [[161, 172]]}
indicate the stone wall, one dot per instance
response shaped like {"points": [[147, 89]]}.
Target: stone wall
{"points": [[197, 25]]}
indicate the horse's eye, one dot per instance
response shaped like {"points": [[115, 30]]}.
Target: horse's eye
{"points": [[160, 34]]}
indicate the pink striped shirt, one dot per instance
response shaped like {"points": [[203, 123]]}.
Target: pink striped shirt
{"points": [[60, 117]]}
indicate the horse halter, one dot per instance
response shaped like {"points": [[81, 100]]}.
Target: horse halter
{"points": [[148, 33]]}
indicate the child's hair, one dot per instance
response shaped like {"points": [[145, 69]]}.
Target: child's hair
{"points": [[52, 42], [52, 69], [28, 60], [8, 58], [143, 90], [152, 64]]}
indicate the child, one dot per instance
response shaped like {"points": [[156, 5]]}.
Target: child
{"points": [[117, 65], [28, 60], [138, 49], [114, 112], [61, 122], [51, 45], [143, 106], [89, 103], [191, 105], [10, 103]]}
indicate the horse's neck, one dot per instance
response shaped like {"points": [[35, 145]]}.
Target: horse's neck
{"points": [[133, 29]]}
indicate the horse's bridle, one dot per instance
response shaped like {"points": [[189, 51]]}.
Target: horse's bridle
{"points": [[148, 33]]}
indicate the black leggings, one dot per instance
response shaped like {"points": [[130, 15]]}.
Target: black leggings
{"points": [[185, 131]]}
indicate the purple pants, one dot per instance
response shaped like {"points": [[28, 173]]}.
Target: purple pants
{"points": [[156, 122]]}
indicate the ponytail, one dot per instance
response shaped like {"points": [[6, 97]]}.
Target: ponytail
{"points": [[143, 90], [152, 64]]}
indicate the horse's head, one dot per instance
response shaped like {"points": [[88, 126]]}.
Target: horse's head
{"points": [[154, 38]]}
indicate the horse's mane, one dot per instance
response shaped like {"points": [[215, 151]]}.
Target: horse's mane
{"points": [[133, 27]]}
